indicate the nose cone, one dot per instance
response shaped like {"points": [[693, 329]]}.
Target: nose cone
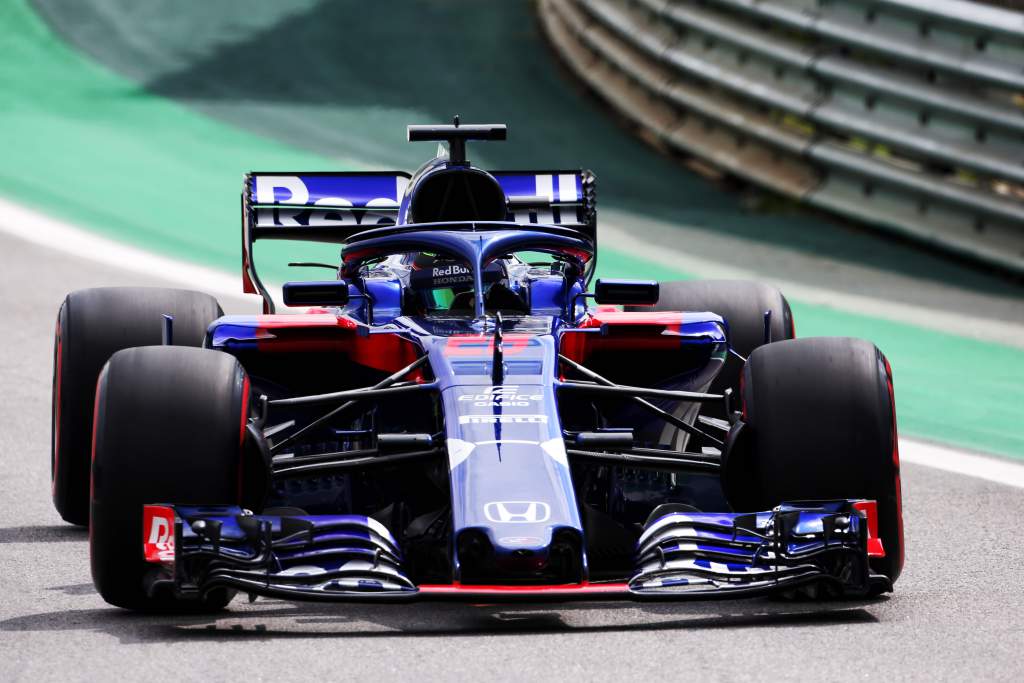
{"points": [[519, 524], [486, 556], [519, 554], [522, 549], [514, 511]]}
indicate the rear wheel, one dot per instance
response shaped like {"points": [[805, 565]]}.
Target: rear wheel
{"points": [[742, 304], [819, 423], [92, 325], [170, 426]]}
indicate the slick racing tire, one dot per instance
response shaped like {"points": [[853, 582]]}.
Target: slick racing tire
{"points": [[92, 324], [742, 304], [819, 423], [170, 425]]}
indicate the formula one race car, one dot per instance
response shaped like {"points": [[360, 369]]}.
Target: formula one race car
{"points": [[459, 414]]}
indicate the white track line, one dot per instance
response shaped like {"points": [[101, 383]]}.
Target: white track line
{"points": [[38, 228], [958, 462], [33, 226]]}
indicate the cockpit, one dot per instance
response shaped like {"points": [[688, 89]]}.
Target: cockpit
{"points": [[438, 285]]}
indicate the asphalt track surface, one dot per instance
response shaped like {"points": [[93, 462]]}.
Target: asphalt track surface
{"points": [[957, 613]]}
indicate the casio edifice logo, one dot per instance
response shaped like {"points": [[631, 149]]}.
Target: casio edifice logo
{"points": [[504, 395]]}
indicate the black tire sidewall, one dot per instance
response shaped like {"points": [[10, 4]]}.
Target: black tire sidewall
{"points": [[168, 430]]}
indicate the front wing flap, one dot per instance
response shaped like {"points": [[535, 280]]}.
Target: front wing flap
{"points": [[309, 557], [823, 546]]}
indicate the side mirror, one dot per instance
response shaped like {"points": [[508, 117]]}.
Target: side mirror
{"points": [[327, 293], [628, 292]]}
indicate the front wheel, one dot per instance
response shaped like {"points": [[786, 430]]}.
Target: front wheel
{"points": [[819, 423], [170, 424]]}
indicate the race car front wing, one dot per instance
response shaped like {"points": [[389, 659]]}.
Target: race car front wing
{"points": [[818, 549]]}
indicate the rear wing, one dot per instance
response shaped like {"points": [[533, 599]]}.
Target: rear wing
{"points": [[331, 207], [552, 197]]}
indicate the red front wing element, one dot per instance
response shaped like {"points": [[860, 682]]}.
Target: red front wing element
{"points": [[581, 591], [869, 508], [158, 534]]}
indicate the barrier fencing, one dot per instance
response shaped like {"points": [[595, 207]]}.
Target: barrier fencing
{"points": [[905, 114]]}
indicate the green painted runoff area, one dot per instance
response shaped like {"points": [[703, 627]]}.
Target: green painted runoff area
{"points": [[138, 120]]}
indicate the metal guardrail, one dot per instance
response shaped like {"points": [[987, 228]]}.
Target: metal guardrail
{"points": [[906, 114]]}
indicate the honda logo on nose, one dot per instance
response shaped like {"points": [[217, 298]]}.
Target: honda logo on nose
{"points": [[517, 512]]}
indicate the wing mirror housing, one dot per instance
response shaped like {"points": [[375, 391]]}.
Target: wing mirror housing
{"points": [[626, 292], [325, 293]]}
